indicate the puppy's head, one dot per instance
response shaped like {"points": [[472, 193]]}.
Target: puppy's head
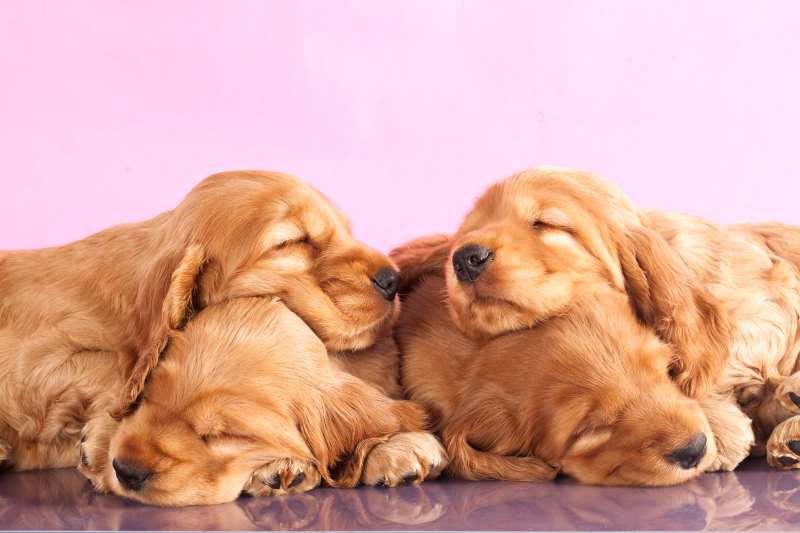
{"points": [[271, 234], [530, 244], [222, 402], [611, 414]]}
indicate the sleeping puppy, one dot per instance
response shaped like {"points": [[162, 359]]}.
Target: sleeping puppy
{"points": [[83, 322], [246, 398], [753, 271], [553, 332], [726, 298]]}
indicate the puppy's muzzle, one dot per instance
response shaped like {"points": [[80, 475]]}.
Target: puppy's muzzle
{"points": [[470, 260]]}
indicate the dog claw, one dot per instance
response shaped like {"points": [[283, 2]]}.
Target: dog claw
{"points": [[410, 478], [273, 482], [299, 478]]}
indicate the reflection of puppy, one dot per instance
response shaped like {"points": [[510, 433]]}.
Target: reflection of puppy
{"points": [[62, 500], [43, 500], [564, 505], [538, 358], [81, 322]]}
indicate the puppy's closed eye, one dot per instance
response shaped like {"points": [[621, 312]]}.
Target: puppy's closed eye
{"points": [[304, 240], [553, 219], [590, 439]]}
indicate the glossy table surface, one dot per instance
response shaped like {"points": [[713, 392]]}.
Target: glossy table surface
{"points": [[752, 498]]}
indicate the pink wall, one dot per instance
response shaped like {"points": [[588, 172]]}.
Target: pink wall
{"points": [[402, 112]]}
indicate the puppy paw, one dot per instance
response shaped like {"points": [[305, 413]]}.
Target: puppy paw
{"points": [[783, 446], [788, 393], [283, 476], [732, 430], [410, 457], [729, 456], [93, 451]]}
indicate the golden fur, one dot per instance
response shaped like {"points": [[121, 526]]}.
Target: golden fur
{"points": [[587, 344], [751, 270], [83, 325]]}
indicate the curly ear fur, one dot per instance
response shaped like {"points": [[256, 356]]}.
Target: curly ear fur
{"points": [[667, 298], [353, 419], [422, 256], [166, 304], [470, 463]]}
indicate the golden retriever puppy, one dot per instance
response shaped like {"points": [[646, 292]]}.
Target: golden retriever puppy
{"points": [[82, 325], [246, 398], [554, 330], [586, 392]]}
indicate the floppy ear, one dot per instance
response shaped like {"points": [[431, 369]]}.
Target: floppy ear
{"points": [[165, 303], [425, 255], [668, 299]]}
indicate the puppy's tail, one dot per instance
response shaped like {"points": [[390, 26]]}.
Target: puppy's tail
{"points": [[468, 463]]}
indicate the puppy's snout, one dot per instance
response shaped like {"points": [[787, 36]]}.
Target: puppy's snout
{"points": [[130, 476], [689, 455], [386, 281], [470, 260]]}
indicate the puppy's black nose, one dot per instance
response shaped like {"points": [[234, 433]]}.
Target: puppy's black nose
{"points": [[386, 282], [470, 260], [689, 455], [130, 477]]}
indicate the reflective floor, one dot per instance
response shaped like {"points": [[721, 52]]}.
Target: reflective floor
{"points": [[754, 497]]}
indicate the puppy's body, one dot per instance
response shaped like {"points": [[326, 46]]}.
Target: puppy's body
{"points": [[68, 338]]}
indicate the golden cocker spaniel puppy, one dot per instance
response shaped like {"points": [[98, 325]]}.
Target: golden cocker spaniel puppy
{"points": [[556, 330], [83, 325]]}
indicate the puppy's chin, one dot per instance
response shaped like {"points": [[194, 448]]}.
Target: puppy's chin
{"points": [[483, 318], [360, 337], [481, 313]]}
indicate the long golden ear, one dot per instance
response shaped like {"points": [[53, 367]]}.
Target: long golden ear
{"points": [[425, 255], [684, 314], [166, 302]]}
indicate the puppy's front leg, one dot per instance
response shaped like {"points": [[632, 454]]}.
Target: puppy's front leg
{"points": [[732, 430], [94, 444]]}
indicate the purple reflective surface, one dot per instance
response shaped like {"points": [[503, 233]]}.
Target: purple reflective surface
{"points": [[754, 497]]}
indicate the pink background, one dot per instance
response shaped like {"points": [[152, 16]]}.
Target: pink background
{"points": [[402, 112]]}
